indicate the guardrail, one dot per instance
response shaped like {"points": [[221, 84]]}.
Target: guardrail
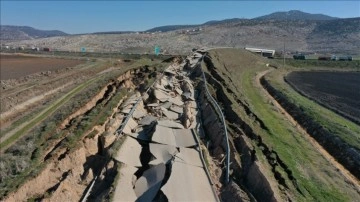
{"points": [[118, 132], [217, 109], [123, 124], [222, 119]]}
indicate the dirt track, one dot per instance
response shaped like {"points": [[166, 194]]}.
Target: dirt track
{"points": [[349, 177]]}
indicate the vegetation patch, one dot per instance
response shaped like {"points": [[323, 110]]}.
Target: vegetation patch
{"points": [[30, 154], [314, 175]]}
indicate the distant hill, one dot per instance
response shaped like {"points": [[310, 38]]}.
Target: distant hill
{"points": [[295, 15], [217, 22], [168, 28], [328, 36], [114, 32], [289, 15], [12, 33]]}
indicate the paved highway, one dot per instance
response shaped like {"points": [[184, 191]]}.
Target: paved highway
{"points": [[160, 155]]}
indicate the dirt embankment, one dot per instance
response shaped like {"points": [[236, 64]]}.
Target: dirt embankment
{"points": [[69, 171], [92, 103], [251, 176], [21, 97], [340, 150], [214, 131]]}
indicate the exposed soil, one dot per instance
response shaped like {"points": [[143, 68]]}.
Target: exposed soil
{"points": [[274, 178], [339, 91], [71, 162], [350, 178], [251, 175], [69, 171], [20, 97], [342, 152], [17, 66]]}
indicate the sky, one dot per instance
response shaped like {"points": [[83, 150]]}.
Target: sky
{"points": [[76, 17]]}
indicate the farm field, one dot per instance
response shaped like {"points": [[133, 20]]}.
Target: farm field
{"points": [[44, 113], [339, 91], [66, 121], [16, 66], [294, 164]]}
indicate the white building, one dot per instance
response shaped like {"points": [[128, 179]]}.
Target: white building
{"points": [[262, 52]]}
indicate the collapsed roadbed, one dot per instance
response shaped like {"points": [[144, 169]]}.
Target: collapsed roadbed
{"points": [[161, 150]]}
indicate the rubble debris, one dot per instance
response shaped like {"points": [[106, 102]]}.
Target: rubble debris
{"points": [[177, 109], [165, 128], [131, 125], [147, 120], [171, 115]]}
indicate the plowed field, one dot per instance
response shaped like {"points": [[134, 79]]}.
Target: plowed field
{"points": [[17, 66], [339, 91]]}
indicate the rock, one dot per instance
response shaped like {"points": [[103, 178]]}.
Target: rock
{"points": [[233, 192], [89, 176], [107, 140]]}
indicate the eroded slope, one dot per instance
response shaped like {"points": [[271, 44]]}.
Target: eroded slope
{"points": [[293, 167]]}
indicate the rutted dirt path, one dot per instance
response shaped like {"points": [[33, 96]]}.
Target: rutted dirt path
{"points": [[41, 116], [28, 103], [349, 177], [69, 171]]}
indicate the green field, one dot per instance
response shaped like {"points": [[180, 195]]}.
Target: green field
{"points": [[316, 179]]}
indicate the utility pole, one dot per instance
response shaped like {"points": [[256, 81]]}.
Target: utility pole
{"points": [[286, 20], [284, 52]]}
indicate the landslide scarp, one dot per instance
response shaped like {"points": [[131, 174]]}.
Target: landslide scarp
{"points": [[239, 128], [269, 146], [70, 147]]}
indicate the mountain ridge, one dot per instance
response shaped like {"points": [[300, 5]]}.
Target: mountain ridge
{"points": [[339, 35], [13, 32], [282, 15], [295, 15], [27, 32]]}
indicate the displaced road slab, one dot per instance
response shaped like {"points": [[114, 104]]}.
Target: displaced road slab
{"points": [[163, 153], [131, 124], [175, 137], [189, 156], [124, 188], [191, 180], [129, 153], [148, 185], [170, 124]]}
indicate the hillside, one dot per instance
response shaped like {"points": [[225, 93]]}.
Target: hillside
{"points": [[295, 15], [289, 15], [9, 33], [334, 36], [313, 33]]}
